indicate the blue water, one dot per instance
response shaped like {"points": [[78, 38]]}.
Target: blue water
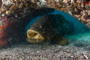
{"points": [[80, 28]]}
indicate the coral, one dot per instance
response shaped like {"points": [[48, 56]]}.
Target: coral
{"points": [[4, 34]]}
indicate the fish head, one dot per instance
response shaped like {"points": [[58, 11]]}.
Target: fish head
{"points": [[34, 36]]}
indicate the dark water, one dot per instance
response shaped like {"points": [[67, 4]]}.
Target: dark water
{"points": [[82, 33]]}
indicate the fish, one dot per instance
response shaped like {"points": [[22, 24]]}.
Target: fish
{"points": [[47, 28]]}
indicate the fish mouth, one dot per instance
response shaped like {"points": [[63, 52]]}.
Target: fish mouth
{"points": [[34, 36], [34, 40]]}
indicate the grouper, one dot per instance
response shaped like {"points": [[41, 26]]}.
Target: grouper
{"points": [[50, 28]]}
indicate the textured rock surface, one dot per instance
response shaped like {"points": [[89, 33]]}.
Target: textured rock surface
{"points": [[78, 9]]}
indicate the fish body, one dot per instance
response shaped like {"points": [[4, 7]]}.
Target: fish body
{"points": [[48, 27]]}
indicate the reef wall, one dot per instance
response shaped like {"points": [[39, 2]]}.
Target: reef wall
{"points": [[79, 9]]}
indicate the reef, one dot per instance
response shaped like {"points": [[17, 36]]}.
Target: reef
{"points": [[19, 12], [78, 9], [15, 15]]}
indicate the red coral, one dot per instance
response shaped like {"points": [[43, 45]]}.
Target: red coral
{"points": [[4, 34], [87, 2]]}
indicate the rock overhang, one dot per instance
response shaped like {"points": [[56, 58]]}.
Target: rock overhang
{"points": [[78, 9]]}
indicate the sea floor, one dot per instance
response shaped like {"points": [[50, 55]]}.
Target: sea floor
{"points": [[44, 52], [78, 49]]}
